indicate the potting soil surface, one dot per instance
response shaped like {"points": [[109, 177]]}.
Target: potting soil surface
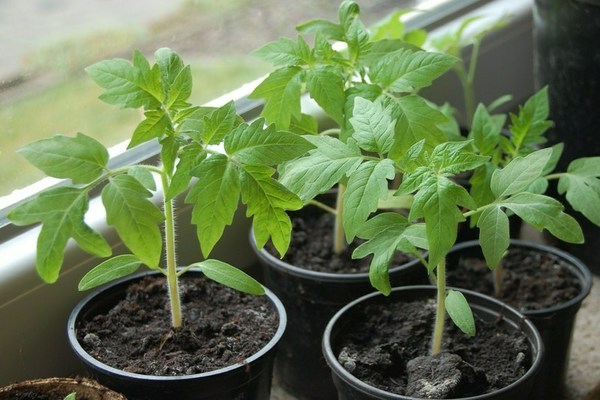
{"points": [[583, 376]]}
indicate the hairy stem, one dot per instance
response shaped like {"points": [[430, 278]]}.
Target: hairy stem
{"points": [[172, 278], [338, 234], [440, 316]]}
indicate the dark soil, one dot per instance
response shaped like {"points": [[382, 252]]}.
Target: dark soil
{"points": [[389, 349], [532, 280], [221, 327], [311, 247]]}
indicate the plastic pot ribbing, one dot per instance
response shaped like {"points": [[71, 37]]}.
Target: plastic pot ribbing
{"points": [[555, 324], [248, 379], [486, 308], [311, 298]]}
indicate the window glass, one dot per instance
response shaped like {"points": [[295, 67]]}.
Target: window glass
{"points": [[47, 43]]}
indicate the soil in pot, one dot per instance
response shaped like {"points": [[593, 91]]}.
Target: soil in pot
{"points": [[136, 335], [389, 347], [546, 284], [311, 247], [314, 283], [531, 279]]}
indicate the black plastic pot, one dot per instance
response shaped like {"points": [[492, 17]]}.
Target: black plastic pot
{"points": [[311, 298], [555, 324], [248, 379], [486, 308], [60, 387], [566, 49]]}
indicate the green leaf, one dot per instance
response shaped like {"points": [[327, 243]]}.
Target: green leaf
{"points": [[437, 202], [71, 396], [281, 91], [81, 159], [267, 200], [219, 123], [322, 168], [365, 187], [257, 144], [459, 311], [61, 211], [451, 158], [125, 84], [376, 50], [405, 70], [543, 212], [169, 149], [285, 52], [373, 126], [191, 156], [154, 126], [323, 28], [215, 197], [170, 66], [326, 87], [531, 123], [143, 175], [480, 184], [190, 122], [494, 235], [181, 87], [581, 183], [306, 125], [485, 130], [417, 120], [230, 276], [135, 218], [357, 90], [89, 240], [115, 268], [385, 233], [519, 173]]}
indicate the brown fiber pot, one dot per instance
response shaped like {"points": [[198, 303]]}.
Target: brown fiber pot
{"points": [[86, 389]]}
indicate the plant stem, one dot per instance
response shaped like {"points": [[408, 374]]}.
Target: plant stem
{"points": [[440, 315], [498, 272], [172, 279], [323, 206], [338, 234]]}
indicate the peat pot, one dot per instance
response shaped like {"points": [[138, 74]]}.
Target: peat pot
{"points": [[311, 298], [249, 378], [86, 389], [555, 322], [356, 322]]}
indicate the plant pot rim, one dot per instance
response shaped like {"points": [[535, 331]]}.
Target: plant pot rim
{"points": [[533, 335], [318, 275], [88, 359], [577, 267], [41, 383]]}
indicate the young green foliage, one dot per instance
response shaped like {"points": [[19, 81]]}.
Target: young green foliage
{"points": [[367, 84], [509, 177], [187, 135]]}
